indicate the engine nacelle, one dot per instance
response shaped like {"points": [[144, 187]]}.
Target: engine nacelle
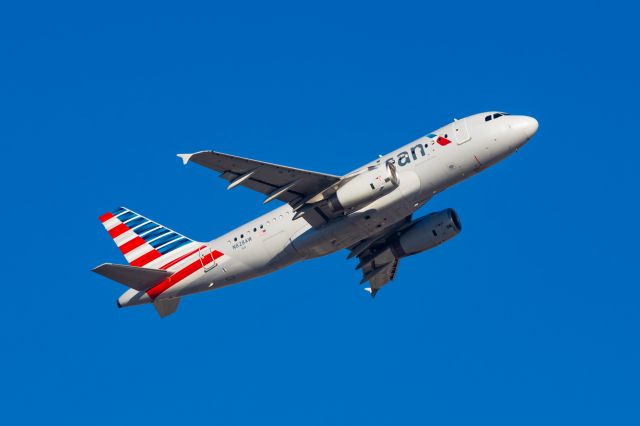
{"points": [[365, 188], [427, 232]]}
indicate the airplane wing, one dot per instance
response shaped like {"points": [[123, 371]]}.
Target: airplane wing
{"points": [[377, 261], [379, 270], [288, 184]]}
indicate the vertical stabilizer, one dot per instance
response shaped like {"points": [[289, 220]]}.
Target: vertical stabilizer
{"points": [[144, 242]]}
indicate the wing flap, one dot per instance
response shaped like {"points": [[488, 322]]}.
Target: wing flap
{"points": [[141, 279]]}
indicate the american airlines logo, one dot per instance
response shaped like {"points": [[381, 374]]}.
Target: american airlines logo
{"points": [[405, 157]]}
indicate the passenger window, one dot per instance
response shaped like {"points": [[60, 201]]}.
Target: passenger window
{"points": [[254, 229], [487, 118]]}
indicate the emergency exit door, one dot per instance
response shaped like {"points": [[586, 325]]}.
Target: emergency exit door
{"points": [[206, 258]]}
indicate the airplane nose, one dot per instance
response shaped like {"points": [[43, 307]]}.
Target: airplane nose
{"points": [[530, 126]]}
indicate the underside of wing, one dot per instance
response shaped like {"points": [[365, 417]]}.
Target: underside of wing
{"points": [[287, 184], [379, 270], [376, 258]]}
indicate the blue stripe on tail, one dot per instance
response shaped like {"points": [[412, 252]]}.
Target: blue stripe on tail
{"points": [[155, 233], [163, 240], [144, 228], [126, 216], [174, 245], [135, 222]]}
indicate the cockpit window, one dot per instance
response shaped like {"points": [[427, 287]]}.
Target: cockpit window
{"points": [[495, 115]]}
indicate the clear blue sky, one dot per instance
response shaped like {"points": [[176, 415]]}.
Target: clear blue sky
{"points": [[530, 316]]}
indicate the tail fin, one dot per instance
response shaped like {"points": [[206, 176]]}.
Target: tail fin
{"points": [[144, 242]]}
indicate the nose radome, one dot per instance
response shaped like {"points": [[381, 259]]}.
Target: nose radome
{"points": [[530, 126]]}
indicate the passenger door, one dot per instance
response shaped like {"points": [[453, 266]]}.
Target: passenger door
{"points": [[460, 131]]}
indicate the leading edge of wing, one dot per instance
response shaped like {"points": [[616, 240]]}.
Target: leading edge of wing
{"points": [[186, 158]]}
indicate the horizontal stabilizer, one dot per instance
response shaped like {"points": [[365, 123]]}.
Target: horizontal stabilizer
{"points": [[141, 279]]}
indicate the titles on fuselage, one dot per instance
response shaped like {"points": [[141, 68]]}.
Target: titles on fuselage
{"points": [[405, 157]]}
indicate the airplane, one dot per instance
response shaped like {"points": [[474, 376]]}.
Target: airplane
{"points": [[368, 211]]}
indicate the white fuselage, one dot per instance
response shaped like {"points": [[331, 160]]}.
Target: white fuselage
{"points": [[425, 167]]}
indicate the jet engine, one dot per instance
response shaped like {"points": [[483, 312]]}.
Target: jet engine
{"points": [[427, 232], [365, 188]]}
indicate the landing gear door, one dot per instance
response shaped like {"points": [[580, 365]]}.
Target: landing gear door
{"points": [[460, 131], [206, 258]]}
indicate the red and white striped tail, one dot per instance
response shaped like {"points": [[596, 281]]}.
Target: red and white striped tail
{"points": [[144, 242]]}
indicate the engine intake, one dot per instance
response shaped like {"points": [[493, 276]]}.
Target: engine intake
{"points": [[365, 188], [427, 232]]}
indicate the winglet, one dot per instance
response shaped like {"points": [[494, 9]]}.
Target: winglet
{"points": [[185, 158]]}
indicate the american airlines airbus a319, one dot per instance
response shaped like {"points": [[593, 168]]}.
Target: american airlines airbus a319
{"points": [[368, 212]]}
